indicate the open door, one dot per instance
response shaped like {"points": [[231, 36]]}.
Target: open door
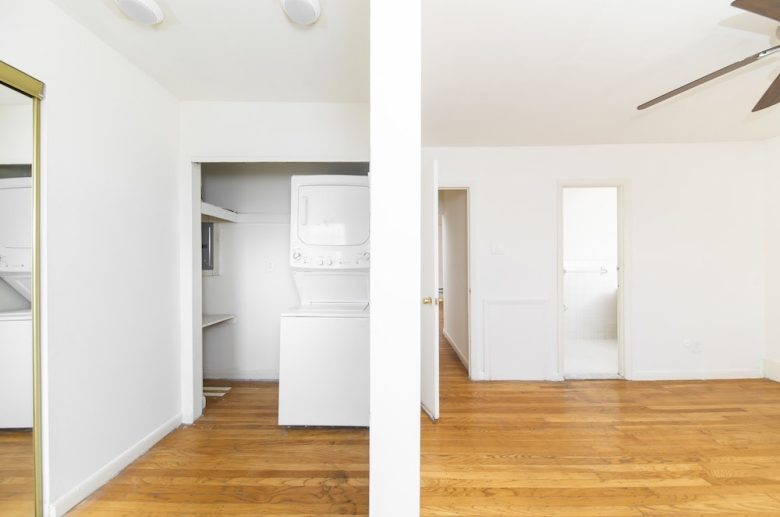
{"points": [[429, 343]]}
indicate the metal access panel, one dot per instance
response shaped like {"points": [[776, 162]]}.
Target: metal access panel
{"points": [[207, 245]]}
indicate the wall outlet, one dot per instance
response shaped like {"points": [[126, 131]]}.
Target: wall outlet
{"points": [[270, 266], [497, 248], [694, 345]]}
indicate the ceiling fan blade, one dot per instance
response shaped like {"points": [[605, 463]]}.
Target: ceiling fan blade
{"points": [[770, 97], [710, 77], [768, 8]]}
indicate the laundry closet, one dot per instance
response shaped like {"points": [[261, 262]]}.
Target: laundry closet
{"points": [[252, 281]]}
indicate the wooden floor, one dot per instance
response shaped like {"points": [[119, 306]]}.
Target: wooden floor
{"points": [[580, 448], [601, 448], [17, 482], [235, 460]]}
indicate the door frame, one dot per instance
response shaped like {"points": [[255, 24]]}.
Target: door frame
{"points": [[623, 186], [474, 373]]}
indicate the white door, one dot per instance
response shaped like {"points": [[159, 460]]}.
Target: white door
{"points": [[429, 343]]}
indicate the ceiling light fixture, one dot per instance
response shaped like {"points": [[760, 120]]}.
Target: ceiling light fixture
{"points": [[304, 12], [142, 11]]}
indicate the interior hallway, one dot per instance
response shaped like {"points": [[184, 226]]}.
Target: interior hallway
{"points": [[235, 460], [605, 448]]}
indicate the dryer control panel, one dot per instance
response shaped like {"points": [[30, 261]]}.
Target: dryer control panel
{"points": [[303, 256]]}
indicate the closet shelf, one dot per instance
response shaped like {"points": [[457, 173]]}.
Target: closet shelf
{"points": [[218, 213], [213, 319]]}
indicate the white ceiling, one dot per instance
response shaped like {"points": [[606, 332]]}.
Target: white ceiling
{"points": [[241, 50], [495, 72]]}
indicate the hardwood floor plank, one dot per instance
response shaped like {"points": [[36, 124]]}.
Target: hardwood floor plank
{"points": [[601, 448], [543, 449], [236, 460]]}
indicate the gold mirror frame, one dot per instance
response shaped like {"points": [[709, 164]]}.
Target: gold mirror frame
{"points": [[23, 83]]}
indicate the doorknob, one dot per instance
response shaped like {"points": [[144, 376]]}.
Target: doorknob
{"points": [[437, 301], [427, 301]]}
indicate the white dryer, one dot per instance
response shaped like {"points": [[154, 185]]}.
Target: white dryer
{"points": [[16, 234], [324, 348]]}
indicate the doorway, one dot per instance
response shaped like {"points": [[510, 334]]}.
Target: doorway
{"points": [[590, 281], [454, 286]]}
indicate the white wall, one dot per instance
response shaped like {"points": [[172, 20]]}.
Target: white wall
{"points": [[590, 224], [109, 263], [246, 132], [696, 265], [248, 346], [396, 230], [772, 201], [16, 134], [590, 259], [455, 271]]}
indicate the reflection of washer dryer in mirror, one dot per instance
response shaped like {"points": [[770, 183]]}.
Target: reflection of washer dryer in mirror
{"points": [[16, 234], [329, 226]]}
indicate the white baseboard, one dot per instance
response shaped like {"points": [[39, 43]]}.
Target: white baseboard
{"points": [[455, 347], [772, 369], [696, 375], [81, 491], [242, 375]]}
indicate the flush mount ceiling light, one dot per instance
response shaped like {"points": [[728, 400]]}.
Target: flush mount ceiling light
{"points": [[142, 11], [304, 12]]}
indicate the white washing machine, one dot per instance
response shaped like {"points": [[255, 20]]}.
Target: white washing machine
{"points": [[16, 369], [324, 348]]}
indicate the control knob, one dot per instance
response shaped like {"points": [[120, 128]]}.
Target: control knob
{"points": [[366, 255], [329, 262], [319, 262], [296, 255]]}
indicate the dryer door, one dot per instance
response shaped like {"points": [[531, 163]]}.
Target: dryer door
{"points": [[333, 215]]}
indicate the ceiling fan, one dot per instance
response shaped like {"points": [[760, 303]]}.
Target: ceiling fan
{"points": [[768, 8]]}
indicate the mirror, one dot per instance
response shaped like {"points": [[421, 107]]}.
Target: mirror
{"points": [[20, 485]]}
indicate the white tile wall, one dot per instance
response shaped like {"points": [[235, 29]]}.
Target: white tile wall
{"points": [[590, 298]]}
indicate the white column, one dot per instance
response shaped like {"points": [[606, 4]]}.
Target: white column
{"points": [[395, 252]]}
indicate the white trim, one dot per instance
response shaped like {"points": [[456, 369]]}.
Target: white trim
{"points": [[81, 491], [486, 303], [697, 375], [625, 352], [452, 344], [242, 375], [772, 369]]}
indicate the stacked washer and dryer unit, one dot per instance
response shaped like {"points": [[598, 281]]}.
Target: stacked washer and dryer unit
{"points": [[16, 363], [324, 348]]}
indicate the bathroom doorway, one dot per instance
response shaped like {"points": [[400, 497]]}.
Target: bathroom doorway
{"points": [[590, 282]]}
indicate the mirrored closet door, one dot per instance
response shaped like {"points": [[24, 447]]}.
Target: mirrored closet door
{"points": [[19, 356]]}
